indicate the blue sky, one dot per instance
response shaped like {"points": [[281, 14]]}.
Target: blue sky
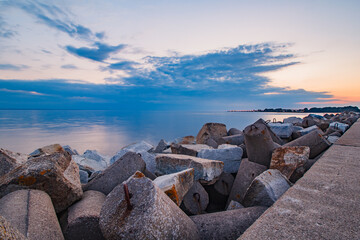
{"points": [[185, 55]]}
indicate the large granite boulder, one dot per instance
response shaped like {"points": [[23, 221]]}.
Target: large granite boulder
{"points": [[207, 171], [211, 130], [51, 170], [138, 209], [176, 185], [118, 172], [32, 213], [188, 149], [10, 160]]}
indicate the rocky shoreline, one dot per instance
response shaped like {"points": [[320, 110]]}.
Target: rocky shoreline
{"points": [[212, 186]]}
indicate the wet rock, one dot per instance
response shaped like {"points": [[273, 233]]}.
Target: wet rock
{"points": [[224, 184], [237, 139], [151, 215], [70, 150], [257, 135], [230, 156], [211, 130], [314, 140], [226, 224], [341, 126], [8, 232], [287, 159], [188, 149], [10, 160], [196, 200], [266, 188], [90, 163], [162, 145], [283, 130], [247, 172], [82, 221], [234, 205], [84, 177], [118, 172], [52, 172], [234, 131], [32, 213], [176, 185], [293, 120], [207, 171]]}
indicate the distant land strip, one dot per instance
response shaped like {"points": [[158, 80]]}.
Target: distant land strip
{"points": [[305, 110]]}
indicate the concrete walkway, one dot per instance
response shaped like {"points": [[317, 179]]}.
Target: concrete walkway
{"points": [[324, 203]]}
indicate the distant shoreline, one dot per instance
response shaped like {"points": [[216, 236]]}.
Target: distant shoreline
{"points": [[305, 110]]}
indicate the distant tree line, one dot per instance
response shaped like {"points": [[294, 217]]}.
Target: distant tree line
{"points": [[314, 109]]}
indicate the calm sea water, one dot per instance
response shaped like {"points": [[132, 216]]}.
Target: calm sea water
{"points": [[107, 131]]}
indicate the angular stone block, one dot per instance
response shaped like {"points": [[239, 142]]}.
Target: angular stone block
{"points": [[307, 130], [118, 172], [274, 137], [52, 172], [206, 170], [8, 232], [226, 224], [237, 139], [283, 130], [211, 130], [230, 156], [247, 172], [234, 205], [82, 221], [145, 213], [90, 163], [139, 147], [188, 149], [162, 145], [84, 176], [70, 150], [10, 160], [293, 120], [196, 199], [266, 188], [176, 185], [224, 184], [234, 131], [341, 126], [32, 213], [287, 159]]}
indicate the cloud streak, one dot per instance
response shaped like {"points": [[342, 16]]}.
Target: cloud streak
{"points": [[13, 67]]}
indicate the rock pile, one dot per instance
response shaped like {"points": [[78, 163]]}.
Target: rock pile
{"points": [[213, 186]]}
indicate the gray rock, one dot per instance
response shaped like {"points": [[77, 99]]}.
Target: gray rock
{"points": [[206, 170], [8, 232], [309, 121], [248, 171], [70, 150], [224, 184], [188, 149], [274, 137], [118, 172], [288, 159], [307, 130], [162, 145], [211, 130], [283, 130], [332, 139], [234, 205], [226, 224], [234, 131], [317, 116], [236, 139], [293, 120], [53, 172], [95, 155], [184, 140], [341, 126], [84, 176], [231, 157], [96, 165], [82, 220], [151, 215], [196, 200], [266, 188], [176, 185], [32, 213], [10, 160], [212, 143]]}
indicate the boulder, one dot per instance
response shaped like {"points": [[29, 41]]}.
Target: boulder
{"points": [[118, 172], [259, 144], [332, 139], [283, 130], [226, 224], [230, 156], [10, 160], [293, 120], [341, 126], [224, 184], [274, 137], [95, 155], [188, 149], [266, 188], [70, 150], [8, 232], [308, 122], [207, 171], [314, 140], [211, 130], [212, 143], [307, 130], [236, 139], [138, 209], [287, 159], [90, 163], [32, 213], [176, 185], [84, 176], [196, 200], [52, 172], [82, 219], [247, 172], [234, 131], [234, 205], [45, 151], [162, 145]]}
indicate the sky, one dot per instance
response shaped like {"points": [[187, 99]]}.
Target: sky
{"points": [[179, 55]]}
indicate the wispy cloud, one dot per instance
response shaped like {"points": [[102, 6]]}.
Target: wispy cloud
{"points": [[5, 31], [69, 66], [99, 52], [22, 91], [13, 67], [123, 65]]}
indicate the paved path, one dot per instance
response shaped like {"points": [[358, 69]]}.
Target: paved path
{"points": [[324, 203]]}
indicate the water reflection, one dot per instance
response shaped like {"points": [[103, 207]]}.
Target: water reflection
{"points": [[108, 131]]}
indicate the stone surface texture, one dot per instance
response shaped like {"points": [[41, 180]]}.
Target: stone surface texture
{"points": [[90, 163], [283, 130], [236, 139], [211, 130], [196, 200], [8, 232], [234, 205], [224, 184], [10, 160], [188, 149]]}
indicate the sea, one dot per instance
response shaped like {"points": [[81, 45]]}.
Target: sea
{"points": [[107, 131]]}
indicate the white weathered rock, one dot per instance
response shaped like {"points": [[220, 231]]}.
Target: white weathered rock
{"points": [[234, 205], [293, 120], [87, 162], [341, 126], [231, 157], [206, 170], [332, 139], [283, 130], [176, 185], [307, 130], [266, 188]]}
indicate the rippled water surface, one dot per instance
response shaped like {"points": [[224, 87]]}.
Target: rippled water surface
{"points": [[107, 131]]}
